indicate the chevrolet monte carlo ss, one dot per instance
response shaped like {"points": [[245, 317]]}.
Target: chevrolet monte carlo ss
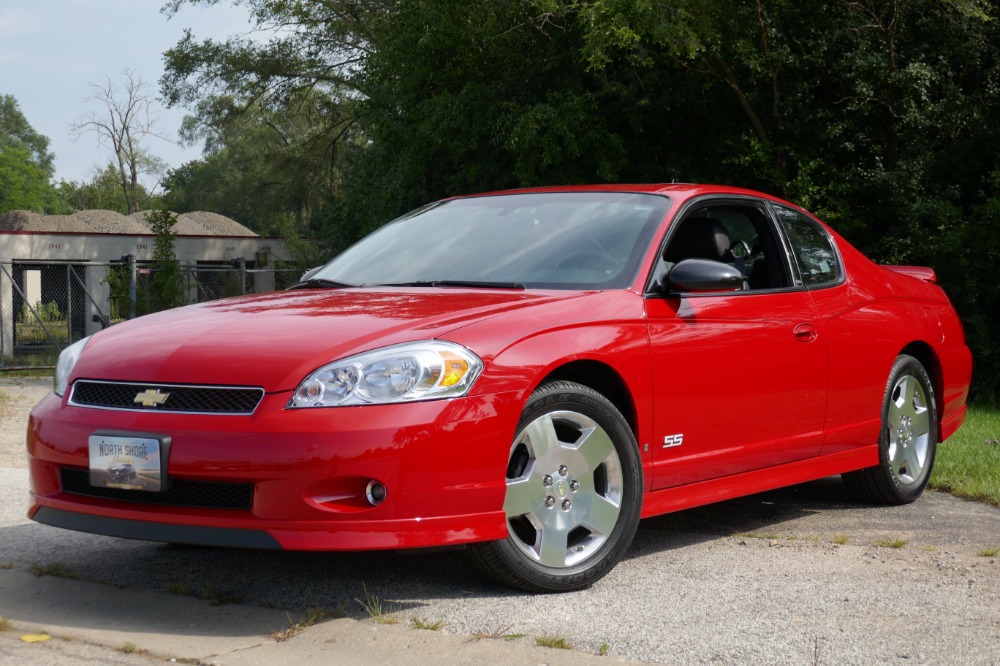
{"points": [[524, 373]]}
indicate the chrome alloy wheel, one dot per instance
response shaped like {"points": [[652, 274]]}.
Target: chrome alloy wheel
{"points": [[907, 444], [564, 489], [908, 430]]}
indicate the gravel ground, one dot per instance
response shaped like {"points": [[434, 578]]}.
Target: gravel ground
{"points": [[756, 580], [17, 397]]}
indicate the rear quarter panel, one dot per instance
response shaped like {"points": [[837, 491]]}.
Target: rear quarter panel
{"points": [[868, 321]]}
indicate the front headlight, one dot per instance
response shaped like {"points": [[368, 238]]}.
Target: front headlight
{"points": [[64, 366], [402, 373]]}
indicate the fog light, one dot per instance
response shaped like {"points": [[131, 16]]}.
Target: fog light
{"points": [[375, 492]]}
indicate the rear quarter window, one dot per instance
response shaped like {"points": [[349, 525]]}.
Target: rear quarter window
{"points": [[816, 256]]}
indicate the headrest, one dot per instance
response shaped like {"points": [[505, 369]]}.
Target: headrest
{"points": [[698, 238]]}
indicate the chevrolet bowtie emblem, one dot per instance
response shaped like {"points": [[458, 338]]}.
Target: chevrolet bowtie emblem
{"points": [[151, 398]]}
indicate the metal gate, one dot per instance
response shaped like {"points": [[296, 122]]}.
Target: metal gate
{"points": [[47, 306]]}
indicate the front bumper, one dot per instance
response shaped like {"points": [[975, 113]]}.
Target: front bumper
{"points": [[442, 463]]}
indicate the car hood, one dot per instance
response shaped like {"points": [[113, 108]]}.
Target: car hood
{"points": [[274, 340]]}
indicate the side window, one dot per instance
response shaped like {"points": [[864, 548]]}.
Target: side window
{"points": [[742, 236], [817, 258]]}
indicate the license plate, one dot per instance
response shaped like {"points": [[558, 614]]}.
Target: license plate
{"points": [[130, 463]]}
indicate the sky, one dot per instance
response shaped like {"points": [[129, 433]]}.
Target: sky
{"points": [[51, 50]]}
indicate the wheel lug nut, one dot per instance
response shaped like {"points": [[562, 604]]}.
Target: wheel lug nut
{"points": [[550, 501], [563, 470], [547, 481], [566, 504], [574, 485]]}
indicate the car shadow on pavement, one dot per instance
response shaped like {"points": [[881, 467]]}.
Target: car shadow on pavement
{"points": [[405, 581], [758, 512]]}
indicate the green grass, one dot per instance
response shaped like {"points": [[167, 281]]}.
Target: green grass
{"points": [[218, 597], [500, 633], [429, 625], [557, 642], [988, 552], [57, 569], [968, 464], [768, 536], [311, 617], [892, 543], [46, 366], [377, 609]]}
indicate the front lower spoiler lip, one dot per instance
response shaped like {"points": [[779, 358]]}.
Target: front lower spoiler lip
{"points": [[151, 531]]}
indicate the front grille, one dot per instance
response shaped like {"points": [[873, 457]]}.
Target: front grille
{"points": [[166, 397], [195, 494]]}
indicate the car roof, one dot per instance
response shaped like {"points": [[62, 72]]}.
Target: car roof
{"points": [[679, 190]]}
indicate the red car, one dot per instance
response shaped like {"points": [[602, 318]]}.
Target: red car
{"points": [[527, 373]]}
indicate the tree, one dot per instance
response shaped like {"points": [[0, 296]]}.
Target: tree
{"points": [[26, 164], [103, 191], [166, 284], [271, 170], [275, 117], [879, 115], [124, 122]]}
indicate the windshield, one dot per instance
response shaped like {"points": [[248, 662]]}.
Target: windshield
{"points": [[559, 240]]}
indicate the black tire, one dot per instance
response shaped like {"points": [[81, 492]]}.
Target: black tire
{"points": [[574, 493], [907, 442]]}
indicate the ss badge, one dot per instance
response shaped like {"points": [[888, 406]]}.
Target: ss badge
{"points": [[673, 440]]}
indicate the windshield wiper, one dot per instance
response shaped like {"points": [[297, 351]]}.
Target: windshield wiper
{"points": [[475, 284], [319, 283]]}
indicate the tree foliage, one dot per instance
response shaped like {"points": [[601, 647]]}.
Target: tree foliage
{"points": [[103, 191], [160, 286], [26, 163], [273, 170], [882, 116], [166, 286]]}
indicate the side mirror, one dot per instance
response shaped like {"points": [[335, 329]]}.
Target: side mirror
{"points": [[700, 275]]}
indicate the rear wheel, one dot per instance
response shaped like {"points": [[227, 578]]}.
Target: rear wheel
{"points": [[574, 492], [908, 440]]}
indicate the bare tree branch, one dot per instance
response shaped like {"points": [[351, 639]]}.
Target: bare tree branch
{"points": [[126, 119]]}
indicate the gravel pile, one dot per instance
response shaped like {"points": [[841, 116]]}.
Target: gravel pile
{"points": [[215, 224], [110, 222], [201, 223], [20, 220], [182, 228]]}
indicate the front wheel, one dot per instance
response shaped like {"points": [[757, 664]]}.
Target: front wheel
{"points": [[574, 493], [908, 439]]}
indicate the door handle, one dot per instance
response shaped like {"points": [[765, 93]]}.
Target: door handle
{"points": [[805, 332]]}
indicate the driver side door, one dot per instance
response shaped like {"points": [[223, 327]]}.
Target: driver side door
{"points": [[739, 377]]}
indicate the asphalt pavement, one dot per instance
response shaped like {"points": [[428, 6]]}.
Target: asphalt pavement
{"points": [[796, 576]]}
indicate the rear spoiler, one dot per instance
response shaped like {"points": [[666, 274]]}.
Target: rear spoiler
{"points": [[920, 272]]}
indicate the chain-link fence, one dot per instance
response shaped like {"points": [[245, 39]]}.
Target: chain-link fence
{"points": [[46, 306]]}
